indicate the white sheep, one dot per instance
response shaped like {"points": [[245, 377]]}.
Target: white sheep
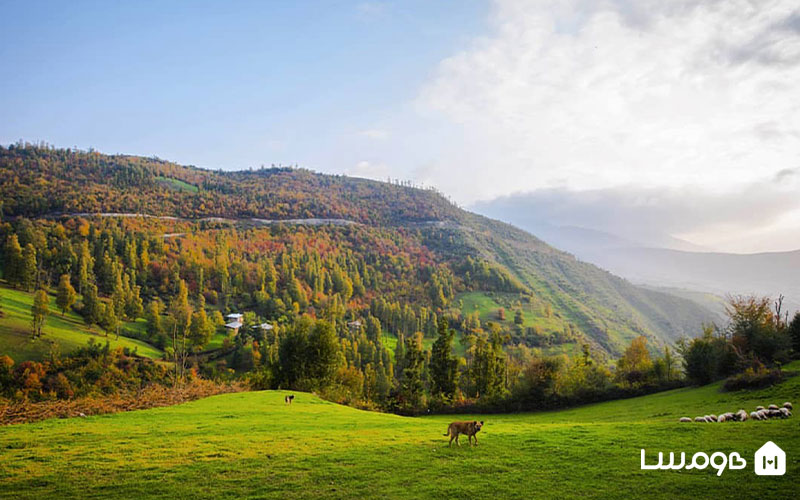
{"points": [[700, 419], [685, 419], [788, 406], [764, 414], [754, 415], [773, 407], [741, 416], [759, 408], [714, 418], [785, 413]]}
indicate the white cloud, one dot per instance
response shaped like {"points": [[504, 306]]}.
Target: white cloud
{"points": [[599, 95], [752, 217]]}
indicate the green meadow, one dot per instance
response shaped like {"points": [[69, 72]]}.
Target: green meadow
{"points": [[68, 332], [252, 445]]}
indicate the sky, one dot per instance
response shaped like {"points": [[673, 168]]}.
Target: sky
{"points": [[627, 116]]}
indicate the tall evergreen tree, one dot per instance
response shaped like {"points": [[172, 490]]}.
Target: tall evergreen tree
{"points": [[28, 272], [444, 365], [412, 386], [13, 261]]}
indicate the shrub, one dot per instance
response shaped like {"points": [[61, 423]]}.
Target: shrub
{"points": [[753, 379]]}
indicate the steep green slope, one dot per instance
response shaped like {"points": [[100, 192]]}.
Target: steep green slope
{"points": [[606, 310], [252, 445], [67, 333]]}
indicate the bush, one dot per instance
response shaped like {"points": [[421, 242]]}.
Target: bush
{"points": [[753, 379]]}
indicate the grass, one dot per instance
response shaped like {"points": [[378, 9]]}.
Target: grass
{"points": [[487, 307], [252, 445], [177, 184], [68, 332]]}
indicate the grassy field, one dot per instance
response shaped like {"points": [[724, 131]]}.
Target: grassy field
{"points": [[69, 332], [251, 445], [177, 184]]}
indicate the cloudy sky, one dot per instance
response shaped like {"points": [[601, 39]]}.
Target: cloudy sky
{"points": [[675, 116]]}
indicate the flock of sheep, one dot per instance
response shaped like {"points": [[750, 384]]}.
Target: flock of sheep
{"points": [[761, 413]]}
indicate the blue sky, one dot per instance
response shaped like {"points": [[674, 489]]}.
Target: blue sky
{"points": [[220, 84], [618, 115]]}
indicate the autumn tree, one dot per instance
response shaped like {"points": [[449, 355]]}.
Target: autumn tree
{"points": [[39, 311], [635, 363], [65, 295], [756, 330]]}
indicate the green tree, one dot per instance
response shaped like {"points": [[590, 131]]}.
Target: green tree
{"points": [[39, 311], [91, 304], [322, 354], [794, 332], [13, 261], [444, 365], [152, 317], [109, 321], [65, 295], [29, 274], [201, 329], [412, 384]]}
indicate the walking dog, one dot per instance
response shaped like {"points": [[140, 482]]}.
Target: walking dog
{"points": [[288, 399], [469, 428]]}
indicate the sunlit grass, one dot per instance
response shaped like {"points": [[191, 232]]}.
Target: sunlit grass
{"points": [[251, 445]]}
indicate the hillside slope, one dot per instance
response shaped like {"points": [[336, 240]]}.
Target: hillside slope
{"points": [[250, 445], [606, 310]]}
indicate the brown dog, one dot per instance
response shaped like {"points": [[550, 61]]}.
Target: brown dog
{"points": [[469, 428]]}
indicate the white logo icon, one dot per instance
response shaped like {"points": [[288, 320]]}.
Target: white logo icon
{"points": [[770, 460]]}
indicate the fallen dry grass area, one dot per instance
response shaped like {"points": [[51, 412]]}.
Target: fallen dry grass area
{"points": [[150, 397]]}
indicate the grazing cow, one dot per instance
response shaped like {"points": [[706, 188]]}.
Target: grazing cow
{"points": [[288, 399]]}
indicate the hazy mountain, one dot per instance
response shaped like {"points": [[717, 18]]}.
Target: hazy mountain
{"points": [[668, 263]]}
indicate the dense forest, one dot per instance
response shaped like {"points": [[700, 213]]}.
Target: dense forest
{"points": [[412, 303]]}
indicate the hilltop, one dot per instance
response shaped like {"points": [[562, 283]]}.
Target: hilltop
{"points": [[565, 301]]}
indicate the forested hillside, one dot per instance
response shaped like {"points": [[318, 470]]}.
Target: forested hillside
{"points": [[38, 182], [353, 285]]}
